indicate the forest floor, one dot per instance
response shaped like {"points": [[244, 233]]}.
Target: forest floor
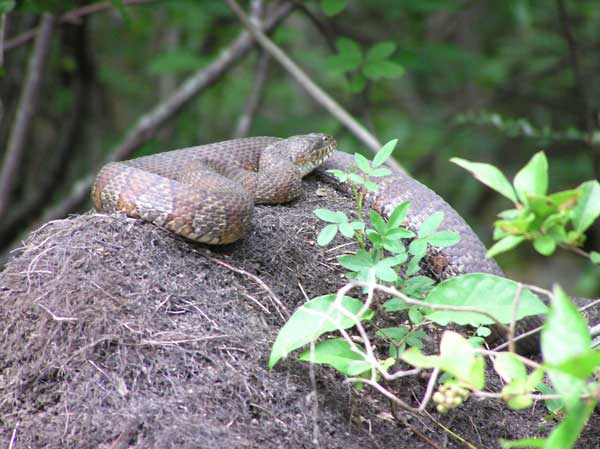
{"points": [[117, 334]]}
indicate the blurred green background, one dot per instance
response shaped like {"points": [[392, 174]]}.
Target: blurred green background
{"points": [[490, 81]]}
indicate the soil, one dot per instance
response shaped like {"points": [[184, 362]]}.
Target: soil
{"points": [[118, 334]]}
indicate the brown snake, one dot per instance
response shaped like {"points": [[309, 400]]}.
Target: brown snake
{"points": [[207, 194]]}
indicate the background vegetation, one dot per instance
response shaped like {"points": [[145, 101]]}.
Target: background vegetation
{"points": [[483, 80]]}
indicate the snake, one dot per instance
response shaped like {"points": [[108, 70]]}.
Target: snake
{"points": [[207, 194]]}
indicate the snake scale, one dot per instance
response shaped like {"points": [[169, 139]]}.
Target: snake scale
{"points": [[207, 194]]}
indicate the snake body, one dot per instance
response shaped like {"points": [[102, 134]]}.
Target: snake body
{"points": [[207, 194]]}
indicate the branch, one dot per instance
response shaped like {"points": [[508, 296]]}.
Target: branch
{"points": [[262, 68], [2, 34], [149, 123], [253, 101], [25, 111], [569, 37], [30, 207], [69, 17], [308, 84]]}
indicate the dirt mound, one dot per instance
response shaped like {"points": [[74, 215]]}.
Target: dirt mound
{"points": [[117, 334]]}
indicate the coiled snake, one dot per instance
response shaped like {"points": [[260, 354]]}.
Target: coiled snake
{"points": [[207, 194]]}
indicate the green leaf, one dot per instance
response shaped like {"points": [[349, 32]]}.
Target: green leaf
{"points": [[415, 316], [6, 6], [417, 286], [581, 366], [595, 257], [378, 222], [362, 163], [383, 269], [120, 7], [418, 247], [379, 172], [430, 224], [338, 353], [341, 175], [348, 229], [443, 239], [488, 175], [588, 206], [175, 61], [327, 234], [565, 435], [398, 215], [413, 266], [458, 358], [331, 216], [380, 51], [564, 335], [357, 83], [527, 443], [510, 367], [505, 244], [356, 262], [545, 245], [384, 153], [382, 69], [371, 186], [309, 322], [395, 334], [415, 339], [533, 178], [356, 179], [348, 58], [487, 292], [395, 305], [333, 7], [414, 357]]}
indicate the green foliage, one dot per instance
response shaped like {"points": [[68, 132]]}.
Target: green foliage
{"points": [[472, 290], [374, 64], [333, 7], [570, 362], [176, 61], [316, 317], [548, 220], [338, 353], [6, 6], [521, 127]]}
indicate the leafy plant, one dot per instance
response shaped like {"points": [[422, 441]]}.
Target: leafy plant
{"points": [[548, 220], [373, 64]]}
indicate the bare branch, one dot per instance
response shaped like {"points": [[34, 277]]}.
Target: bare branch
{"points": [[308, 84], [25, 111], [569, 37], [2, 34], [253, 101], [73, 16], [262, 68]]}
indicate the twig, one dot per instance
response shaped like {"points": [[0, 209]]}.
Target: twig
{"points": [[253, 101], [513, 321], [569, 37], [25, 111], [13, 438], [2, 35], [262, 68], [314, 397], [150, 122], [70, 133], [283, 313], [308, 84], [69, 17]]}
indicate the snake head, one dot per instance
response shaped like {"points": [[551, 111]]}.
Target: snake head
{"points": [[306, 151]]}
